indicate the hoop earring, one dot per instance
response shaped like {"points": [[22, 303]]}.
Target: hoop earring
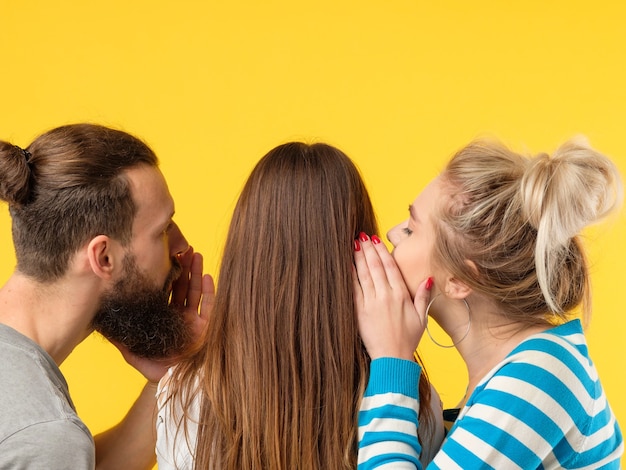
{"points": [[469, 324]]}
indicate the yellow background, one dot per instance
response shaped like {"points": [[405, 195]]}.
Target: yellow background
{"points": [[397, 84]]}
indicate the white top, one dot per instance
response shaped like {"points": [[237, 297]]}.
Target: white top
{"points": [[174, 448]]}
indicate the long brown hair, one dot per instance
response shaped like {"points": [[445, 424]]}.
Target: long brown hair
{"points": [[282, 368]]}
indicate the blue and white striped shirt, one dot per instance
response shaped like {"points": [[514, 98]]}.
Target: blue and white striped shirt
{"points": [[541, 407]]}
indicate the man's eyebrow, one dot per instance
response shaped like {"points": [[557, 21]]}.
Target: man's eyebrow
{"points": [[413, 213]]}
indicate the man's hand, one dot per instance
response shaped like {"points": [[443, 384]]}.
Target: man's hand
{"points": [[193, 290], [193, 293]]}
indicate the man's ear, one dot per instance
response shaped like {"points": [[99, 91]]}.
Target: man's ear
{"points": [[104, 256]]}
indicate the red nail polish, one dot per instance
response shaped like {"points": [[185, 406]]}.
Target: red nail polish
{"points": [[375, 240], [363, 237], [357, 245], [429, 283]]}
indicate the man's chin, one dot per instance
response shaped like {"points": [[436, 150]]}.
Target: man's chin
{"points": [[144, 350]]}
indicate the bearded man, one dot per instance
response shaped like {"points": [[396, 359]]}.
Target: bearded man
{"points": [[96, 248]]}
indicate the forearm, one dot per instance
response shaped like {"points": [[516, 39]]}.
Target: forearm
{"points": [[388, 418], [130, 444]]}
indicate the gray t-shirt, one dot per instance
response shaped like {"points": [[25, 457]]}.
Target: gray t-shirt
{"points": [[39, 428]]}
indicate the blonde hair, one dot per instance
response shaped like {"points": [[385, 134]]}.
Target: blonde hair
{"points": [[517, 220]]}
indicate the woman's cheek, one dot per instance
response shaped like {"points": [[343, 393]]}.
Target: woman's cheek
{"points": [[408, 271]]}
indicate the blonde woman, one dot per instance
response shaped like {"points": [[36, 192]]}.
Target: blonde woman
{"points": [[492, 252]]}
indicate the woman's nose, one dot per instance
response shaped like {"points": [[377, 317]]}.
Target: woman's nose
{"points": [[393, 235]]}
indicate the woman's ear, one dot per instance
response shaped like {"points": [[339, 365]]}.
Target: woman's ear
{"points": [[104, 255], [457, 289]]}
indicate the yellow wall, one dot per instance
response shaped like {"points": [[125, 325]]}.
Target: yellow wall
{"points": [[397, 84]]}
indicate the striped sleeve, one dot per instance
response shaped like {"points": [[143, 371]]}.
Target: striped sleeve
{"points": [[542, 407], [388, 417]]}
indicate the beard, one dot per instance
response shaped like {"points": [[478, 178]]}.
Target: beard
{"points": [[138, 315]]}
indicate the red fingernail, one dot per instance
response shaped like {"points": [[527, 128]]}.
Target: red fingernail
{"points": [[375, 240], [429, 283], [363, 237], [357, 245]]}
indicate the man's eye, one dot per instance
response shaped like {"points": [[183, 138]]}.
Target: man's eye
{"points": [[407, 230]]}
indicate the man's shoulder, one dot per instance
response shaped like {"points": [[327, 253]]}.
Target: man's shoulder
{"points": [[61, 443], [39, 424], [32, 390]]}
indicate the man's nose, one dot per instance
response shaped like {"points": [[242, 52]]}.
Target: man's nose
{"points": [[178, 242]]}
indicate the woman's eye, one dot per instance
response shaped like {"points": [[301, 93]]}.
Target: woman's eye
{"points": [[407, 230]]}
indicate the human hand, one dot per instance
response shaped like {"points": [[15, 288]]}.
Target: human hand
{"points": [[391, 324], [193, 295], [151, 369], [193, 290]]}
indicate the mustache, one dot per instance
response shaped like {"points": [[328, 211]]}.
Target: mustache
{"points": [[175, 272]]}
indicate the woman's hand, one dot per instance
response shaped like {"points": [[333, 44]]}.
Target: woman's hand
{"points": [[391, 324]]}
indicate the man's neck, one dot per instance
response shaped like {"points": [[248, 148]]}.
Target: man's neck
{"points": [[56, 316]]}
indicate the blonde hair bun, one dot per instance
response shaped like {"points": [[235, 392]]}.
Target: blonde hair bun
{"points": [[575, 187], [561, 195]]}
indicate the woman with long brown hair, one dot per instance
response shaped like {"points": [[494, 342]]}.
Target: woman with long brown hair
{"points": [[278, 379]]}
